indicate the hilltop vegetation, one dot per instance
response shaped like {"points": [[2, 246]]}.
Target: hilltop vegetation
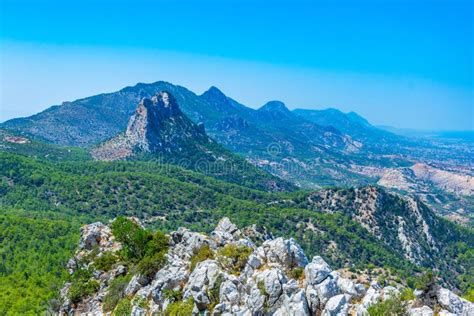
{"points": [[166, 197], [34, 250]]}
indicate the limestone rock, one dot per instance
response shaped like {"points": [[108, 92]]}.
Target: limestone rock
{"points": [[226, 232], [283, 253], [316, 271], [337, 305], [421, 311], [454, 303]]}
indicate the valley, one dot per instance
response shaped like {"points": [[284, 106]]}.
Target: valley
{"points": [[373, 204]]}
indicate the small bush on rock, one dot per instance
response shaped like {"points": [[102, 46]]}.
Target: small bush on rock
{"points": [[115, 292], [297, 273], [182, 308], [124, 308], [106, 261], [82, 285], [173, 295], [390, 307], [407, 294], [149, 265], [234, 258], [204, 253], [140, 246], [133, 238]]}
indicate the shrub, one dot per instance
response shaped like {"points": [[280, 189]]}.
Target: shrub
{"points": [[469, 295], [422, 282], [77, 291], [133, 238], [213, 293], [297, 273], [106, 261], [204, 253], [261, 288], [182, 308], [389, 307], [140, 245], [124, 308], [115, 292], [150, 264], [407, 294], [158, 243], [82, 285], [234, 257], [173, 295]]}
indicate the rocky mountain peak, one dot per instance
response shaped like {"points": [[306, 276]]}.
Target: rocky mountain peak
{"points": [[157, 126]]}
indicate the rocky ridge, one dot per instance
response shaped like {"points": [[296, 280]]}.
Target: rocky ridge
{"points": [[157, 126], [276, 278]]}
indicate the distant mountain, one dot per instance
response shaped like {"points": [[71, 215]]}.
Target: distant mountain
{"points": [[310, 148], [158, 130], [158, 127], [351, 124]]}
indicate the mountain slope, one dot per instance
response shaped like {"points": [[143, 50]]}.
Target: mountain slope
{"points": [[158, 130], [157, 127], [351, 124], [357, 226], [90, 120]]}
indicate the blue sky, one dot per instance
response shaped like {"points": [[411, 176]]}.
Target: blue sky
{"points": [[402, 63]]}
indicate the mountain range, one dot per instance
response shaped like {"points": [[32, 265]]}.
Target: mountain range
{"points": [[165, 157], [309, 148]]}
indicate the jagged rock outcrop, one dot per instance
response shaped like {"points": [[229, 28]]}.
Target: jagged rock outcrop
{"points": [[157, 126], [275, 278]]}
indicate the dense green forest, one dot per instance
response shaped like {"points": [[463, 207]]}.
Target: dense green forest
{"points": [[34, 249], [62, 195]]}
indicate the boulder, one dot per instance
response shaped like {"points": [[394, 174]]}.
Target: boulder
{"points": [[453, 303], [285, 254], [272, 281], [229, 292], [390, 292], [255, 301], [347, 286], [316, 271], [444, 312], [203, 278], [372, 296], [226, 232], [327, 289], [312, 298], [294, 301], [421, 311], [184, 243], [136, 283], [337, 305], [97, 235]]}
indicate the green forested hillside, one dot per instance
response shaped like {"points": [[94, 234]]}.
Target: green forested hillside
{"points": [[166, 197], [34, 249]]}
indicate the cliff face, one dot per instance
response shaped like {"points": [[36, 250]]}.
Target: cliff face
{"points": [[159, 127], [233, 272]]}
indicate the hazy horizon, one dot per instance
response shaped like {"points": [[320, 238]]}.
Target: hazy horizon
{"points": [[406, 64]]}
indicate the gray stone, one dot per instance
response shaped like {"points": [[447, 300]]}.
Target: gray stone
{"points": [[337, 305], [282, 253], [316, 271], [454, 304], [421, 311]]}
